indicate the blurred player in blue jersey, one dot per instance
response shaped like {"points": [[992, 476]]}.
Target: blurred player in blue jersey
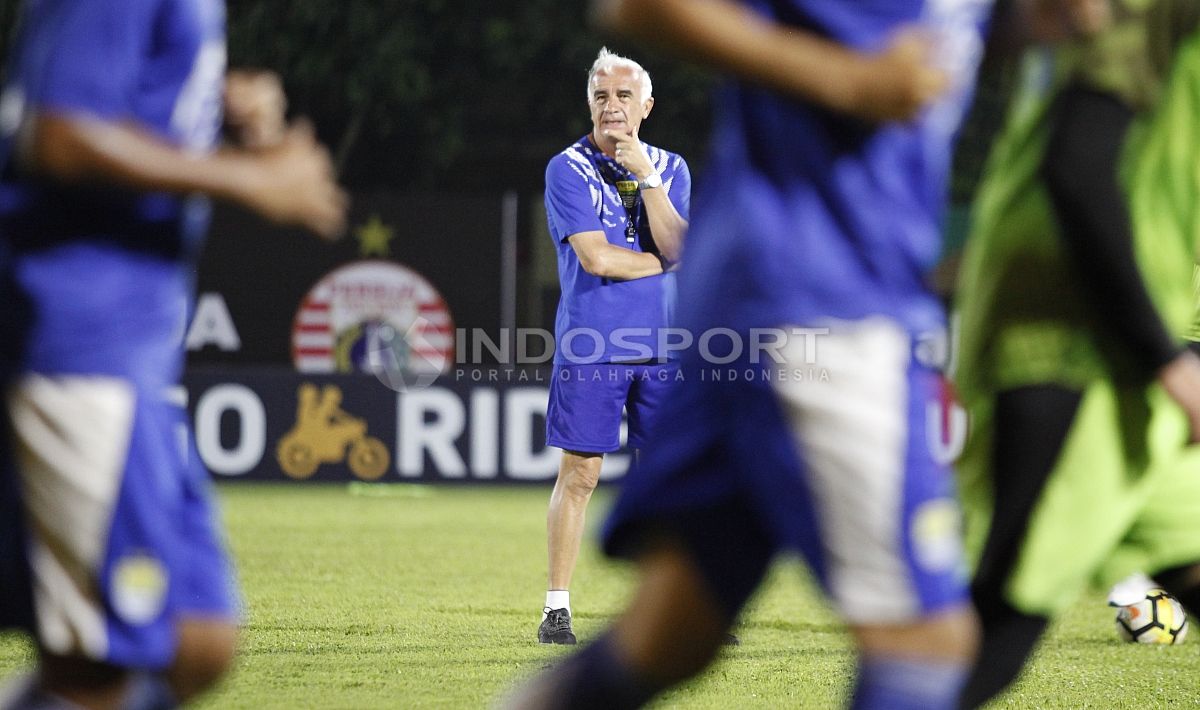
{"points": [[617, 209], [811, 240], [109, 120]]}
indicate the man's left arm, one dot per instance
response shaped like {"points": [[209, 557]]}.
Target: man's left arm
{"points": [[667, 225]]}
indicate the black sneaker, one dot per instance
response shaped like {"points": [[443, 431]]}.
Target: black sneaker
{"points": [[556, 628]]}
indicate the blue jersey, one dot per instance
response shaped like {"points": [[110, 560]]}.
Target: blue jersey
{"points": [[599, 319], [808, 218], [108, 269], [806, 214]]}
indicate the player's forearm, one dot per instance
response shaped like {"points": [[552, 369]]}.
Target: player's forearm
{"points": [[81, 150], [666, 226], [614, 262], [1058, 20], [732, 38]]}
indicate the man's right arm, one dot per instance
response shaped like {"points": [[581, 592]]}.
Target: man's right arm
{"points": [[574, 220], [290, 183], [599, 258], [891, 85], [74, 129]]}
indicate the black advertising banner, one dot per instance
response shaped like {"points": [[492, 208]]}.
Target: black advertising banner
{"points": [[256, 281], [276, 425]]}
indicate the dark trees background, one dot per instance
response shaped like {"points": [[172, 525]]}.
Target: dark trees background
{"points": [[449, 95], [468, 95]]}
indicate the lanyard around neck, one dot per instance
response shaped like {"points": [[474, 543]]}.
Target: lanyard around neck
{"points": [[627, 190]]}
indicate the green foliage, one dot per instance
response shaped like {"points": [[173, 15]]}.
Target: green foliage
{"points": [[421, 597]]}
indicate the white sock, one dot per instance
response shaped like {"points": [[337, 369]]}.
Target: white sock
{"points": [[557, 599]]}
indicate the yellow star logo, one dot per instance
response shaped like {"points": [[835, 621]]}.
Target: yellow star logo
{"points": [[373, 237]]}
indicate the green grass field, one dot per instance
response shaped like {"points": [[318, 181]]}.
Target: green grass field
{"points": [[417, 597]]}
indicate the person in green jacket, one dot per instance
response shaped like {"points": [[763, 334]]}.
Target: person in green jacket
{"points": [[1076, 280]]}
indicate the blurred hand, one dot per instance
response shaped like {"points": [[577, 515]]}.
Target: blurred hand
{"points": [[1057, 20], [1181, 379], [897, 83], [255, 106], [1087, 17], [297, 185], [631, 154]]}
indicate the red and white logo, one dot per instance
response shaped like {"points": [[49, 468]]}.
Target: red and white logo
{"points": [[374, 316]]}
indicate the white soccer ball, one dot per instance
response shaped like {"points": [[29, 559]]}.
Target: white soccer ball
{"points": [[1156, 618]]}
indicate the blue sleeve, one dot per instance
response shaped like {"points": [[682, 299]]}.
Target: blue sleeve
{"points": [[85, 56], [570, 208], [681, 188]]}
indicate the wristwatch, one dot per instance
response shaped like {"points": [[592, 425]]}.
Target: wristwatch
{"points": [[652, 180]]}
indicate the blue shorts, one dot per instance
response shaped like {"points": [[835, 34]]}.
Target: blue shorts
{"points": [[122, 539], [829, 457], [586, 401]]}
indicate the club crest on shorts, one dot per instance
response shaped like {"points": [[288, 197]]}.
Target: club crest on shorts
{"points": [[138, 588], [935, 531]]}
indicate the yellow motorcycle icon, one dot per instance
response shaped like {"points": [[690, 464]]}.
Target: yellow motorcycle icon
{"points": [[325, 433]]}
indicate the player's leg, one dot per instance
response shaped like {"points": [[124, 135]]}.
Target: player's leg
{"points": [[206, 652], [69, 452], [649, 397], [675, 623], [1183, 583], [207, 600], [914, 665], [1166, 536], [695, 574], [701, 542], [651, 625], [1031, 425], [890, 550], [101, 480], [1103, 470], [578, 475], [583, 417]]}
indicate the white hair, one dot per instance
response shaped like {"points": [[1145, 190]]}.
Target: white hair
{"points": [[607, 61]]}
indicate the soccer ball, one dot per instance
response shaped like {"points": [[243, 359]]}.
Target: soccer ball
{"points": [[1157, 618]]}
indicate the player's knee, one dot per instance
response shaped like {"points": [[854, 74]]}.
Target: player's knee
{"points": [[206, 653], [950, 636], [675, 626], [672, 658], [962, 633], [582, 477], [583, 484]]}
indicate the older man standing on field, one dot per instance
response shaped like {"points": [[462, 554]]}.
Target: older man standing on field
{"points": [[617, 209]]}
